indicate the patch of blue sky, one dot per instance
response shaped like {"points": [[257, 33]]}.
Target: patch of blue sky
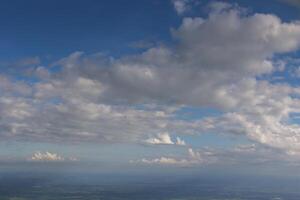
{"points": [[55, 100], [58, 28], [294, 118], [278, 7], [196, 113], [285, 72], [215, 140]]}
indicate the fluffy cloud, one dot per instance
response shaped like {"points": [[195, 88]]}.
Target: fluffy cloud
{"points": [[216, 62], [47, 156], [164, 138], [210, 59]]}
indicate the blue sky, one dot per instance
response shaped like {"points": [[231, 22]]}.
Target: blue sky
{"points": [[58, 28], [181, 83]]}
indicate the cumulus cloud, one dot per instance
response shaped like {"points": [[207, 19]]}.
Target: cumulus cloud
{"points": [[47, 156], [164, 138], [216, 62]]}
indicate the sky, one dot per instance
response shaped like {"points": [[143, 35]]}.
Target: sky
{"points": [[151, 85]]}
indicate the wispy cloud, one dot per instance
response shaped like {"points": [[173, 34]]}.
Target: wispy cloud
{"points": [[241, 155], [292, 2], [192, 159], [181, 6]]}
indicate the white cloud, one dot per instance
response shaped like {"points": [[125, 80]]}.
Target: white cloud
{"points": [[165, 161], [194, 155], [180, 141], [50, 157], [181, 6], [244, 155], [47, 156], [164, 138], [192, 159]]}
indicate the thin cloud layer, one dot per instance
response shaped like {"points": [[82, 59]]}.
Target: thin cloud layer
{"points": [[50, 157], [194, 158], [241, 155], [292, 2]]}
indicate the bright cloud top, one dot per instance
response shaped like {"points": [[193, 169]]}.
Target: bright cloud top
{"points": [[47, 156], [164, 138]]}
